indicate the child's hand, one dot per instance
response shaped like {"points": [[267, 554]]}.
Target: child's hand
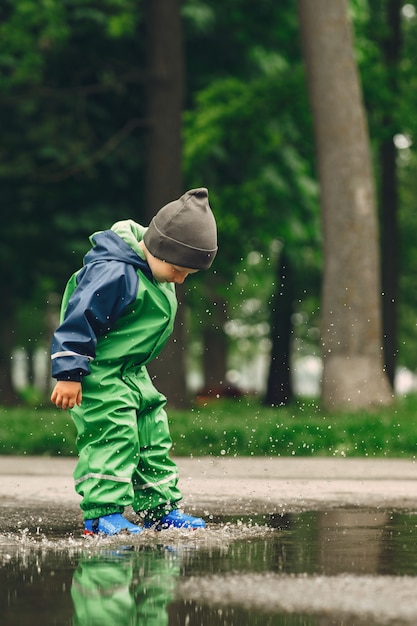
{"points": [[66, 394]]}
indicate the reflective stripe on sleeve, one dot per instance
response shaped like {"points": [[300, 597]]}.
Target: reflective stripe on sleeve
{"points": [[70, 353]]}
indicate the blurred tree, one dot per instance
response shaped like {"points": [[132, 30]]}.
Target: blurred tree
{"points": [[383, 97], [85, 146], [390, 45], [385, 43], [70, 153], [351, 313], [279, 386], [165, 101], [86, 131], [405, 133], [246, 135]]}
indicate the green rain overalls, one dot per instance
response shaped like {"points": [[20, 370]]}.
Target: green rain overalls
{"points": [[123, 435]]}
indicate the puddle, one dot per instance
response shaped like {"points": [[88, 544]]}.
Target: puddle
{"points": [[335, 568]]}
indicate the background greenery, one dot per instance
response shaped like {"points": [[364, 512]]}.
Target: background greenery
{"points": [[74, 127], [239, 428]]}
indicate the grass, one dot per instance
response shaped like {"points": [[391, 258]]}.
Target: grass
{"points": [[239, 428]]}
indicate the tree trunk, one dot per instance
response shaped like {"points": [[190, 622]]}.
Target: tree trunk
{"points": [[8, 396], [165, 95], [353, 375], [215, 350], [164, 157], [279, 388], [389, 249], [391, 47]]}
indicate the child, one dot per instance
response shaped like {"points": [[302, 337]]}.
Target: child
{"points": [[117, 313]]}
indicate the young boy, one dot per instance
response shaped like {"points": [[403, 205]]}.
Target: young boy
{"points": [[117, 313]]}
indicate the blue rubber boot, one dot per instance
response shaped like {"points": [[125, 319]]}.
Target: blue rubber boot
{"points": [[113, 524], [177, 519]]}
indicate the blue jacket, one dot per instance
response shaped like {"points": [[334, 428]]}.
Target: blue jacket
{"points": [[105, 286]]}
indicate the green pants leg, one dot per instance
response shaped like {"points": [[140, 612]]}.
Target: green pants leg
{"points": [[123, 445], [156, 476]]}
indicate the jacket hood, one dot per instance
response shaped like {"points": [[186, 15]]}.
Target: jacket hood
{"points": [[120, 243]]}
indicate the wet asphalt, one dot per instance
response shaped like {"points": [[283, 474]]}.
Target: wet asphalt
{"points": [[347, 555], [43, 486]]}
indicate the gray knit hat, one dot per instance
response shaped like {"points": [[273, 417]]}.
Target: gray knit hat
{"points": [[184, 232]]}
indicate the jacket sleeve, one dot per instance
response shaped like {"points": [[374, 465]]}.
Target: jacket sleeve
{"points": [[104, 289]]}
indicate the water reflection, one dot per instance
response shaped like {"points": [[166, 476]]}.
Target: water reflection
{"points": [[125, 586], [351, 541], [335, 568]]}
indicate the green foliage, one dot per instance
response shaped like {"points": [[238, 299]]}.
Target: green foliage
{"points": [[407, 162], [73, 143], [71, 98], [28, 29], [36, 432], [248, 138], [32, 32], [240, 428], [390, 98], [246, 130], [242, 139]]}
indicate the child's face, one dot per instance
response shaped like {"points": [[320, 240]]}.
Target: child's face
{"points": [[164, 272]]}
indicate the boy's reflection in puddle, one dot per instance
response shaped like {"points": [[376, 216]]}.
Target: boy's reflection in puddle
{"points": [[125, 586]]}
